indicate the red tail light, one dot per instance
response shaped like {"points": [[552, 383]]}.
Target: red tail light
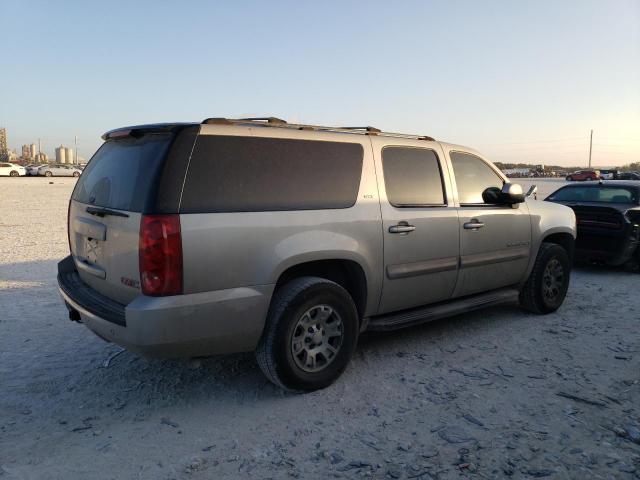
{"points": [[160, 255]]}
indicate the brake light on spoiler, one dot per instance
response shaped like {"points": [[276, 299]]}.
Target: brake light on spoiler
{"points": [[119, 133], [160, 255]]}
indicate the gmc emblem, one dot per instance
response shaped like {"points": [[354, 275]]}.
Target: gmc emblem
{"points": [[130, 282]]}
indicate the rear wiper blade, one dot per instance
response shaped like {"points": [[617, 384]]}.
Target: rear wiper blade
{"points": [[103, 212]]}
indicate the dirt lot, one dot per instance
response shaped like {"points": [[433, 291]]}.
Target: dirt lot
{"points": [[499, 393]]}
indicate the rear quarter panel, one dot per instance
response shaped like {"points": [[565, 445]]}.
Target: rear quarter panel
{"points": [[228, 250]]}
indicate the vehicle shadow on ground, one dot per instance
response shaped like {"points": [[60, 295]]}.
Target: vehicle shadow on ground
{"points": [[35, 270]]}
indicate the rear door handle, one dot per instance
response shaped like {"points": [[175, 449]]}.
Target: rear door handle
{"points": [[402, 228], [473, 225]]}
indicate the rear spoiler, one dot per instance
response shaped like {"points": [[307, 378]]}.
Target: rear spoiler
{"points": [[139, 130]]}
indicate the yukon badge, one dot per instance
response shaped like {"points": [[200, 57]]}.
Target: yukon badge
{"points": [[517, 244]]}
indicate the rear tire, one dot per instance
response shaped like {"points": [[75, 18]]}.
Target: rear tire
{"points": [[13, 173], [546, 287], [47, 174], [569, 178], [76, 174], [310, 334]]}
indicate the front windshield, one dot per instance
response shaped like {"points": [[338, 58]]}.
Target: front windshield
{"points": [[595, 194]]}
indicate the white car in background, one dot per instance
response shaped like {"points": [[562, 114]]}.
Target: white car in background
{"points": [[608, 174], [12, 170], [59, 170]]}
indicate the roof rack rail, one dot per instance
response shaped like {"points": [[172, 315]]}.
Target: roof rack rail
{"points": [[278, 122], [217, 121], [366, 129], [275, 120]]}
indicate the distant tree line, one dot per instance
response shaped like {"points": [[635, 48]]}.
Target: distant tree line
{"points": [[631, 167]]}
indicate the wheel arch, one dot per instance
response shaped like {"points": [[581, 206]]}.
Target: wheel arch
{"points": [[564, 239], [560, 235], [347, 273]]}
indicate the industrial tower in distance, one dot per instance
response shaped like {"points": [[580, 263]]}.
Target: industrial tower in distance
{"points": [[4, 151], [64, 154]]}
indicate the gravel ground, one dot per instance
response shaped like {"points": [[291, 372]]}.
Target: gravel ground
{"points": [[498, 393]]}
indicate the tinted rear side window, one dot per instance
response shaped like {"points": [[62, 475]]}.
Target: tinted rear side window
{"points": [[121, 173], [245, 174], [412, 177]]}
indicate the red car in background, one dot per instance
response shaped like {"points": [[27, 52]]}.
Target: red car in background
{"points": [[582, 175]]}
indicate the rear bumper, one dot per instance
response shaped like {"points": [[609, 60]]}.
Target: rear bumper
{"points": [[199, 324]]}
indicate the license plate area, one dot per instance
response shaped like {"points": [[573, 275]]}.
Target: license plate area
{"points": [[92, 250]]}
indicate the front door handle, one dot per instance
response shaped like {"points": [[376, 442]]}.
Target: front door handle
{"points": [[402, 228], [474, 224]]}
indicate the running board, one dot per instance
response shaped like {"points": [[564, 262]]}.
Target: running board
{"points": [[416, 316]]}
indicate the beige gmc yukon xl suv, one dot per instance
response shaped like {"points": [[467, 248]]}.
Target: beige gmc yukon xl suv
{"points": [[291, 240]]}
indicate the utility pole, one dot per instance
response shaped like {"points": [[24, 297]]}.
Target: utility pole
{"points": [[39, 150], [590, 147], [76, 159]]}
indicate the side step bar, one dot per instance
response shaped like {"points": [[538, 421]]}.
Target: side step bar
{"points": [[416, 316]]}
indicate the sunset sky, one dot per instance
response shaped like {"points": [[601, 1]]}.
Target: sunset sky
{"points": [[521, 82]]}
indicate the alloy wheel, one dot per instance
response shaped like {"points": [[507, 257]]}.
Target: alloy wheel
{"points": [[552, 279], [317, 338]]}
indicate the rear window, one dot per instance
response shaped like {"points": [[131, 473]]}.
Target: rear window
{"points": [[121, 172], [252, 174], [595, 194]]}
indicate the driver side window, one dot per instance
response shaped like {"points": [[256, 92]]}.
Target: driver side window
{"points": [[473, 176]]}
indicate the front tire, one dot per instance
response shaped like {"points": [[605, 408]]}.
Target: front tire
{"points": [[13, 173], [569, 178], [76, 174], [47, 174], [309, 336], [546, 287]]}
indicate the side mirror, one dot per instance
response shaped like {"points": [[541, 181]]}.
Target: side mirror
{"points": [[510, 194]]}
